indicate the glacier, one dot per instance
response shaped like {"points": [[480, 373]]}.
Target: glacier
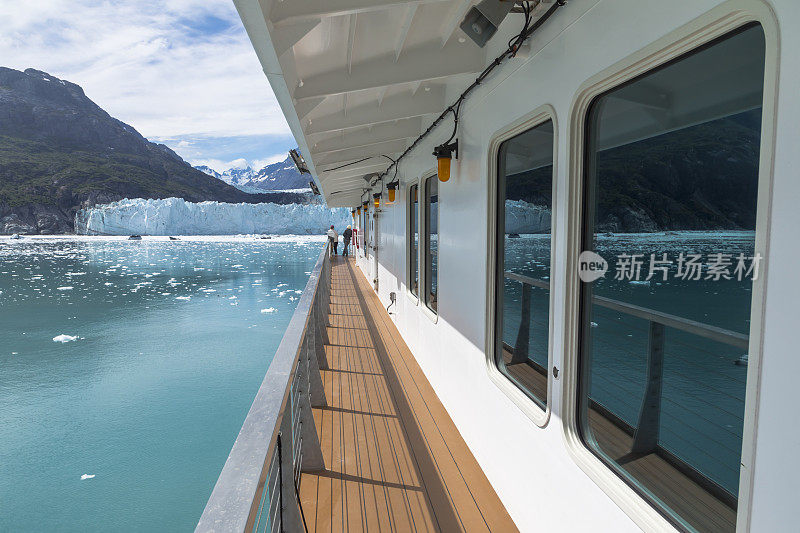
{"points": [[524, 217], [175, 216]]}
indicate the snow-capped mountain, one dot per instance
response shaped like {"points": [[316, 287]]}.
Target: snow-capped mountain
{"points": [[280, 176], [238, 175], [210, 171]]}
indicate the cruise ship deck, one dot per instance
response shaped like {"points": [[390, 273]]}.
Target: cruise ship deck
{"points": [[394, 460]]}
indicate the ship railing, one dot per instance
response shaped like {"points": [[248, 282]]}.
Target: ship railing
{"points": [[646, 432], [257, 489]]}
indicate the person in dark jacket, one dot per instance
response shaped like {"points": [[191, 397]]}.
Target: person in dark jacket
{"points": [[346, 236]]}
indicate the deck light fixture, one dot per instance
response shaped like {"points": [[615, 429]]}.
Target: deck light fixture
{"points": [[392, 188], [377, 200], [444, 153], [482, 20], [299, 162]]}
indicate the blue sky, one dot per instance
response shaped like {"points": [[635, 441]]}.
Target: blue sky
{"points": [[182, 72]]}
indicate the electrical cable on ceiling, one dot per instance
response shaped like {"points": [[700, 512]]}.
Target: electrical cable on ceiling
{"points": [[513, 47]]}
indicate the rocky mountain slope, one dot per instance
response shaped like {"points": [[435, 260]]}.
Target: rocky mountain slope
{"points": [[702, 177], [60, 152]]}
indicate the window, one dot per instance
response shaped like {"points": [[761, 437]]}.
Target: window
{"points": [[671, 185], [431, 243], [522, 309], [365, 229], [413, 230]]}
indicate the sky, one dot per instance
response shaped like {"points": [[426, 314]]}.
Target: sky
{"points": [[182, 72]]}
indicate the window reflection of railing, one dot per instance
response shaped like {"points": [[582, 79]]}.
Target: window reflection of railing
{"points": [[645, 434], [257, 489]]}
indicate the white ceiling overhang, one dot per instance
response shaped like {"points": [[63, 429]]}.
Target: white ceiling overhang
{"points": [[361, 78]]}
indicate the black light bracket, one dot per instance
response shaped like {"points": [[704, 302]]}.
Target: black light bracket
{"points": [[393, 185], [299, 162], [446, 150], [376, 195]]}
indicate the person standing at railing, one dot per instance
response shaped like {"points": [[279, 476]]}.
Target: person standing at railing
{"points": [[333, 239], [347, 235]]}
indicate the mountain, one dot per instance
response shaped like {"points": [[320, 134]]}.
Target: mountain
{"points": [[282, 176], [60, 152], [702, 177], [210, 171], [238, 176]]}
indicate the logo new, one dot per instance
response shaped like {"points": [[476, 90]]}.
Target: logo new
{"points": [[591, 266]]}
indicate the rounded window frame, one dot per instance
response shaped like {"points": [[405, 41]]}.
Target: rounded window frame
{"points": [[533, 410], [717, 23]]}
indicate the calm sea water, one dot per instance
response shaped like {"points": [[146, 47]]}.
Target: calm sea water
{"points": [[171, 341]]}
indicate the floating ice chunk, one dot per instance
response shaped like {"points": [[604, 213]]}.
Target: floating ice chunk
{"points": [[66, 288], [268, 310], [87, 476], [65, 338], [639, 282], [183, 297], [594, 324]]}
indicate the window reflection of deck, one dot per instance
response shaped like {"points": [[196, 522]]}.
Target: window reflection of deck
{"points": [[394, 459]]}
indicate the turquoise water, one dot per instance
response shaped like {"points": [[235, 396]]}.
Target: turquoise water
{"points": [[171, 347]]}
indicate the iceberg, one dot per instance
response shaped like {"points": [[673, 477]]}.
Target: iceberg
{"points": [[65, 338], [172, 216]]}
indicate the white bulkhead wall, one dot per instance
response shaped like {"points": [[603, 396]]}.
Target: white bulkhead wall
{"points": [[538, 481]]}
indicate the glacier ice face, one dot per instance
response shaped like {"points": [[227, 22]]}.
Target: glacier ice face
{"points": [[524, 217], [175, 216]]}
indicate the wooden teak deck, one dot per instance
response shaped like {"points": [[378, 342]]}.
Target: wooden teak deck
{"points": [[394, 459]]}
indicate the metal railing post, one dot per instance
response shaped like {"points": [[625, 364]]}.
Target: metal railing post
{"points": [[317, 389], [646, 437], [290, 506], [310, 449], [523, 335]]}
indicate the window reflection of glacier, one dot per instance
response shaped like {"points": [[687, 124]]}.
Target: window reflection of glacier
{"points": [[703, 388]]}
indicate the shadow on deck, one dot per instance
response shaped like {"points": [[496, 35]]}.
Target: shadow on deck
{"points": [[394, 459]]}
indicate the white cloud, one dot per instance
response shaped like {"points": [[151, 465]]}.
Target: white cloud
{"points": [[261, 163], [172, 68]]}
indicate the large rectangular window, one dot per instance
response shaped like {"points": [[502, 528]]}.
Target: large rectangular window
{"points": [[431, 243], [413, 240], [524, 208], [671, 185]]}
